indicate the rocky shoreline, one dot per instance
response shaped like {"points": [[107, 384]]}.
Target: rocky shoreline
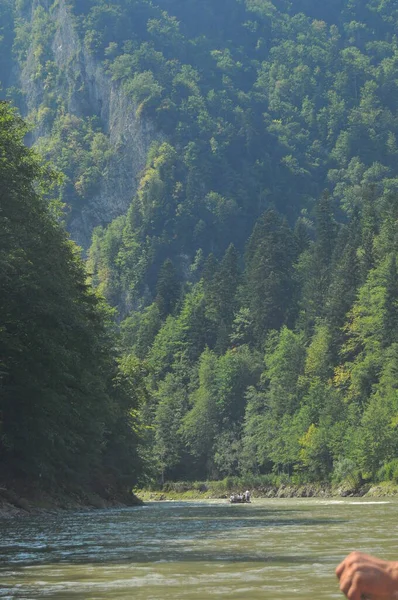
{"points": [[14, 505]]}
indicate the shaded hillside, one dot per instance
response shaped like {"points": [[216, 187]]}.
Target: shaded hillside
{"points": [[67, 404]]}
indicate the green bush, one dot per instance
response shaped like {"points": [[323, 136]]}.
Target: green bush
{"points": [[389, 472], [346, 471]]}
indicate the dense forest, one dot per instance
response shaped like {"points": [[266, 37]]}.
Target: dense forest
{"points": [[254, 277], [68, 401]]}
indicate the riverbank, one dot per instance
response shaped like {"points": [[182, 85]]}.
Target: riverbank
{"points": [[216, 491], [34, 501], [17, 501]]}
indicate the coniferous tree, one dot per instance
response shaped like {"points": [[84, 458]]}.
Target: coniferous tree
{"points": [[167, 289], [268, 283], [346, 278], [221, 295], [209, 276], [315, 265]]}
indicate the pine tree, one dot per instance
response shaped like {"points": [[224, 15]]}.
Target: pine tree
{"points": [[345, 277], [268, 284], [221, 298], [168, 289], [209, 277], [315, 266]]}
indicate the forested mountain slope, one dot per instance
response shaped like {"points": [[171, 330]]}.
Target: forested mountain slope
{"points": [[80, 119], [231, 249]]}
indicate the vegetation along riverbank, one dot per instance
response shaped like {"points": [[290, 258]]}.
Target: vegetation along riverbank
{"points": [[217, 490]]}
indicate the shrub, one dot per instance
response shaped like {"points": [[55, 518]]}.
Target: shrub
{"points": [[389, 471], [346, 471]]}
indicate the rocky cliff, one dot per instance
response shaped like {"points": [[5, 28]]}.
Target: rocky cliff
{"points": [[86, 91]]}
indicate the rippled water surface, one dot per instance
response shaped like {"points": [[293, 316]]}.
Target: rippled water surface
{"points": [[273, 549]]}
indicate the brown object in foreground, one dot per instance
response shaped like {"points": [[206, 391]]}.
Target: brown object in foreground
{"points": [[366, 577]]}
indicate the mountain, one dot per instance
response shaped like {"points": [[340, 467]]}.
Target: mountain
{"points": [[236, 164]]}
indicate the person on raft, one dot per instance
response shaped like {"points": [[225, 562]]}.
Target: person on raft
{"points": [[365, 577], [244, 497]]}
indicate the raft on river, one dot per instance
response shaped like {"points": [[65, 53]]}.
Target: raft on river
{"points": [[239, 499]]}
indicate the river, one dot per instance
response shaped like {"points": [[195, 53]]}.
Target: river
{"points": [[271, 549]]}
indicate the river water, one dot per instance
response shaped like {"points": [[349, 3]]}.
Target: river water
{"points": [[271, 549]]}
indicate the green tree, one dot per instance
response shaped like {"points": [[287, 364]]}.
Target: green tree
{"points": [[315, 265], [268, 283], [167, 289], [379, 443], [172, 397], [139, 330], [221, 294], [201, 424]]}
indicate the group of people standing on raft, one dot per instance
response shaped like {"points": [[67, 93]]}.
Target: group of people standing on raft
{"points": [[239, 498]]}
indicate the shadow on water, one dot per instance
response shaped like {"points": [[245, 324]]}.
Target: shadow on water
{"points": [[220, 557]]}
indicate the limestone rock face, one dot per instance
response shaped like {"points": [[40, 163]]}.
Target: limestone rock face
{"points": [[88, 91]]}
